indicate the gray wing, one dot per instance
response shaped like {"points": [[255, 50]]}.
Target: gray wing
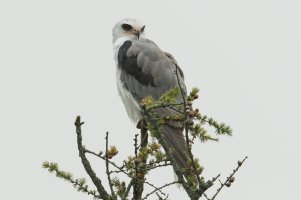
{"points": [[146, 70]]}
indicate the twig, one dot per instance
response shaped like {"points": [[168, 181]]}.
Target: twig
{"points": [[136, 153], [107, 166], [110, 162], [160, 198], [205, 195], [159, 189], [145, 182], [212, 181], [215, 178], [116, 171], [153, 186], [128, 189], [170, 105], [227, 180], [78, 183], [97, 182], [157, 166], [135, 178]]}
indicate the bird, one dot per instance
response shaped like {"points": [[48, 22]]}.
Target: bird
{"points": [[143, 69]]}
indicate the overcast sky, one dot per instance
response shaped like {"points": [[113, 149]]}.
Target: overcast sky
{"points": [[56, 61]]}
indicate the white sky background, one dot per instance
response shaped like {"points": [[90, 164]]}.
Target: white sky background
{"points": [[56, 62]]}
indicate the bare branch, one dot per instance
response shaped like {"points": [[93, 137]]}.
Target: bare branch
{"points": [[110, 162], [97, 182], [160, 188], [153, 186], [228, 180], [107, 165], [158, 166], [205, 195]]}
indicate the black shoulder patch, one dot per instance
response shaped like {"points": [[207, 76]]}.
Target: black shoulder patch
{"points": [[130, 66]]}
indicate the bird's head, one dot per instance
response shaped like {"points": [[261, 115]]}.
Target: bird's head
{"points": [[128, 27]]}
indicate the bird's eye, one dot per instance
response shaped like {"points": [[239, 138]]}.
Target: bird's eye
{"points": [[126, 27]]}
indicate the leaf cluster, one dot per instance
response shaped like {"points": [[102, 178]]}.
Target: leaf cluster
{"points": [[152, 154], [78, 183], [190, 117]]}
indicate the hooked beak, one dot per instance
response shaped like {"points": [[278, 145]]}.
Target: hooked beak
{"points": [[138, 32]]}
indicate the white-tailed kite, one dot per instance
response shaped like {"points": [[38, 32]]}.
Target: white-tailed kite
{"points": [[143, 69]]}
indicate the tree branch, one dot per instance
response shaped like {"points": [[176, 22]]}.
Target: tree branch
{"points": [[97, 182], [107, 166], [110, 162], [159, 189], [230, 179], [78, 183]]}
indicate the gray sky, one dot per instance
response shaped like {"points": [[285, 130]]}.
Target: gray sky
{"points": [[56, 62]]}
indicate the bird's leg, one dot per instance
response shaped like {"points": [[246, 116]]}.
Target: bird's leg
{"points": [[140, 124], [144, 134], [143, 130]]}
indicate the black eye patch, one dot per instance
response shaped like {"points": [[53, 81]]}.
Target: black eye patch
{"points": [[126, 27]]}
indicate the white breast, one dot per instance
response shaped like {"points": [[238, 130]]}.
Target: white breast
{"points": [[130, 104]]}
